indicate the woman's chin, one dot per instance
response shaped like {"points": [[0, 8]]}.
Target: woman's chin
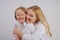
{"points": [[28, 21]]}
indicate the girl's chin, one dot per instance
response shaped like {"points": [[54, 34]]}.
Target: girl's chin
{"points": [[21, 21]]}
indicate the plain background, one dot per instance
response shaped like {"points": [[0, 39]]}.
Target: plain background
{"points": [[51, 9]]}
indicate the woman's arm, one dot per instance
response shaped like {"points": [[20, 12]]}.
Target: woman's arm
{"points": [[17, 37], [22, 35], [17, 32]]}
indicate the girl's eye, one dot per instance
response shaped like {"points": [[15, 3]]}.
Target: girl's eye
{"points": [[18, 15]]}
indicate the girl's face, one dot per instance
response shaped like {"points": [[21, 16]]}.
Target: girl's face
{"points": [[20, 15], [31, 17]]}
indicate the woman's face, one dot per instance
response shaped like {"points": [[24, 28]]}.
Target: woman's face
{"points": [[20, 15], [31, 17]]}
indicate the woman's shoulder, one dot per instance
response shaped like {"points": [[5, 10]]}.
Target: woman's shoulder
{"points": [[40, 25]]}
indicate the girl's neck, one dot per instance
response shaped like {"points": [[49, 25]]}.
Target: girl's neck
{"points": [[22, 22]]}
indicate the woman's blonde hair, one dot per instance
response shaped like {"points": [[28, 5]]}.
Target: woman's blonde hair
{"points": [[40, 17]]}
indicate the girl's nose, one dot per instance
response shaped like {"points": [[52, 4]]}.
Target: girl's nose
{"points": [[28, 16]]}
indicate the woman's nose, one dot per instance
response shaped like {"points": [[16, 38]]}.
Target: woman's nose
{"points": [[25, 15]]}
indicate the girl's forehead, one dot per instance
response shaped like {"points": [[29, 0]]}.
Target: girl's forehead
{"points": [[20, 11]]}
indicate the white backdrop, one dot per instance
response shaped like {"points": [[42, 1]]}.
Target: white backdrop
{"points": [[51, 9]]}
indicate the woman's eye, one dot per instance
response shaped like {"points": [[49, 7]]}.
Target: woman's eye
{"points": [[31, 15], [21, 14]]}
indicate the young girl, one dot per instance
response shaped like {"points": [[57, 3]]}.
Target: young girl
{"points": [[20, 17]]}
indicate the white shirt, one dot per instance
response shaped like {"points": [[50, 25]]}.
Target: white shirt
{"points": [[39, 33], [28, 28]]}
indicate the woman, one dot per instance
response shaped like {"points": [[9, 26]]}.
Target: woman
{"points": [[42, 31]]}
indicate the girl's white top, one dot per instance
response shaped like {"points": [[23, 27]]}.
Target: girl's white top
{"points": [[28, 28]]}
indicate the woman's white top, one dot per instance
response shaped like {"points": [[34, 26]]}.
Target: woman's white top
{"points": [[38, 32]]}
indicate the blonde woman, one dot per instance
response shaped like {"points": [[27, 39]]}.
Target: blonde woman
{"points": [[42, 31], [37, 17]]}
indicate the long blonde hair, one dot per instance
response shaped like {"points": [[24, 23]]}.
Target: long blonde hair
{"points": [[40, 17]]}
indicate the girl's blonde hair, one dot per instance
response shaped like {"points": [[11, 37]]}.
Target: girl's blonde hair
{"points": [[40, 17]]}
